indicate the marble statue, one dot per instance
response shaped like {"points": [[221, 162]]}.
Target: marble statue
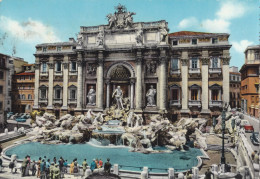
{"points": [[129, 19], [91, 96], [118, 94], [150, 96], [139, 37], [100, 38], [111, 20], [164, 34], [80, 41]]}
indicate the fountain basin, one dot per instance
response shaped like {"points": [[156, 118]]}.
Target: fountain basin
{"points": [[117, 155]]}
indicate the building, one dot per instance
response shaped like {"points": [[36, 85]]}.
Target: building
{"points": [[250, 81], [235, 81], [182, 73], [6, 72], [23, 89]]}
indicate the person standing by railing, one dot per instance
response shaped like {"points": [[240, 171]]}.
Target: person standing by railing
{"points": [[84, 166], [107, 166]]}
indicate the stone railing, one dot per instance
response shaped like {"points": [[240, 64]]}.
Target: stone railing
{"points": [[214, 70], [213, 103], [72, 101], [175, 71], [73, 72], [58, 101], [43, 100], [194, 103], [175, 103], [194, 70]]}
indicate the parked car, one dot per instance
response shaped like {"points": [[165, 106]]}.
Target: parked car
{"points": [[255, 138], [21, 119], [9, 114], [249, 128]]}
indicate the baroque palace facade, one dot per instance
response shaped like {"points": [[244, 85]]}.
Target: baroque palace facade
{"points": [[182, 73]]}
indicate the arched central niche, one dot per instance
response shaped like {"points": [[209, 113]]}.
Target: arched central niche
{"points": [[120, 73]]}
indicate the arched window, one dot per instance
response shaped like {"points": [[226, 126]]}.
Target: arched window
{"points": [[72, 92], [58, 92]]}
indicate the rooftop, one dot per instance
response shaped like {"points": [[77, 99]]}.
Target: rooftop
{"points": [[253, 47], [191, 33]]}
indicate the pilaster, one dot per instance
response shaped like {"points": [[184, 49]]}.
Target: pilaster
{"points": [[50, 90], [138, 87], [225, 72], [65, 82], [163, 81], [205, 86], [79, 82], [100, 80], [36, 84], [184, 86]]}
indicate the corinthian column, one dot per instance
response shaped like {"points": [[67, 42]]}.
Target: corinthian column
{"points": [[65, 82], [108, 92], [100, 80], [36, 84], [50, 90], [163, 83], [205, 86], [80, 82], [132, 83], [184, 82], [138, 86], [225, 72]]}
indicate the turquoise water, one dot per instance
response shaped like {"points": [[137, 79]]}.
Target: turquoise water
{"points": [[177, 160]]}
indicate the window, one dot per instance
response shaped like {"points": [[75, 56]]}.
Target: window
{"points": [[214, 40], [73, 66], [194, 41], [238, 78], [256, 56], [58, 66], [214, 62], [175, 42], [194, 63], [73, 94], [44, 67], [194, 94], [58, 93], [214, 94], [234, 78], [29, 96], [29, 67], [174, 63], [58, 48], [23, 96], [175, 94], [1, 105], [1, 75], [44, 49], [1, 89], [43, 93], [30, 77]]}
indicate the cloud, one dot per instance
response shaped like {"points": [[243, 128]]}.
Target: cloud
{"points": [[228, 10], [30, 31], [188, 22], [231, 10], [216, 25], [241, 46]]}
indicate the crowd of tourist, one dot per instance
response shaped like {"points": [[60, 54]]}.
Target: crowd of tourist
{"points": [[46, 169]]}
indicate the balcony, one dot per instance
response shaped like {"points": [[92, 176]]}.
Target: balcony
{"points": [[175, 72], [194, 70], [58, 73], [44, 73], [194, 103], [72, 101], [175, 103], [73, 73], [214, 70], [213, 103], [57, 101], [43, 100]]}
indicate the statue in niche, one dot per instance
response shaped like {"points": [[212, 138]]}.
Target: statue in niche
{"points": [[118, 95], [164, 34], [139, 37], [150, 95], [91, 96], [100, 38]]}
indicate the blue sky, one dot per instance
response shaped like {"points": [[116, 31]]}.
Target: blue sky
{"points": [[25, 23]]}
